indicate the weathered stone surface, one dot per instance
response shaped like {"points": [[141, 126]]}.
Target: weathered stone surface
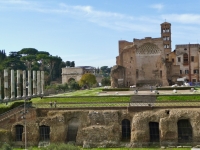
{"points": [[103, 128]]}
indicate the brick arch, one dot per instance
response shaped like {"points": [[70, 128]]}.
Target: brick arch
{"points": [[71, 79], [185, 131], [72, 129], [126, 130]]}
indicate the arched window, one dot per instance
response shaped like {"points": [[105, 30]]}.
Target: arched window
{"points": [[184, 131], [154, 131], [19, 131], [44, 133], [185, 58], [72, 129], [126, 129]]}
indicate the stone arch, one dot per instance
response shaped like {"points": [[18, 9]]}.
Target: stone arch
{"points": [[71, 79], [126, 130], [184, 131], [72, 130], [18, 132], [154, 132], [44, 133]]}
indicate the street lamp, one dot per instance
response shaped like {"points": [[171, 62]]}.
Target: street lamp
{"points": [[24, 117]]}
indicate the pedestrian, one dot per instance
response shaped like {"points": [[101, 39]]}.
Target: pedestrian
{"points": [[151, 88], [55, 104], [51, 104]]}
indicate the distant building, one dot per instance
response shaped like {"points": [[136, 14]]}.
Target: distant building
{"points": [[143, 61], [75, 73], [186, 56]]}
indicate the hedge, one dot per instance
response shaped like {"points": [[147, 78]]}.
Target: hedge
{"points": [[177, 88], [117, 89]]}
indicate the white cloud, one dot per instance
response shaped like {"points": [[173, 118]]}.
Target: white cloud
{"points": [[183, 18], [158, 7], [23, 2]]}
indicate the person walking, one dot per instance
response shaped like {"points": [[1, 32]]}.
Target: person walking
{"points": [[51, 104], [55, 104], [151, 88]]}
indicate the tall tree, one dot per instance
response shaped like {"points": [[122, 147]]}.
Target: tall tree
{"points": [[87, 80]]}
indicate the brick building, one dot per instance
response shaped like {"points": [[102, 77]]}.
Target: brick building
{"points": [[150, 61]]}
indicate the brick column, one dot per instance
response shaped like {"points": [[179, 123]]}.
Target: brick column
{"points": [[12, 85], [24, 83], [18, 84], [38, 83], [34, 83], [6, 85]]}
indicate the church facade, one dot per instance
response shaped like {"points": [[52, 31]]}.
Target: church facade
{"points": [[150, 61]]}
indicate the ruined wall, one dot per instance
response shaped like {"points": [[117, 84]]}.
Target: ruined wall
{"points": [[150, 62], [103, 128]]}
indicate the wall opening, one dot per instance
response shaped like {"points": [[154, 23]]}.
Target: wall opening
{"points": [[72, 129], [185, 58], [19, 131], [44, 133], [154, 132], [184, 131], [71, 79], [126, 130]]}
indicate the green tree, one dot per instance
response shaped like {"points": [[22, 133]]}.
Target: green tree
{"points": [[68, 63], [105, 81], [73, 85], [87, 80]]}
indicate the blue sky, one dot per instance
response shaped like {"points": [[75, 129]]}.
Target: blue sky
{"points": [[88, 31]]}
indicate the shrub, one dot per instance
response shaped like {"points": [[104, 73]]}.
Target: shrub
{"points": [[6, 146], [61, 146]]}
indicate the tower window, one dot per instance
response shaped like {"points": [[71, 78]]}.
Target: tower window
{"points": [[196, 71], [179, 59], [192, 58], [180, 71], [185, 58], [186, 71]]}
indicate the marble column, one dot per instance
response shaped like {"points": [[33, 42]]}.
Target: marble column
{"points": [[6, 85], [34, 83], [42, 82], [0, 91], [38, 83], [12, 85], [18, 84], [24, 83], [29, 84]]}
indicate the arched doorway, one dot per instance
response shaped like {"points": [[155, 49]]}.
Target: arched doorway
{"points": [[72, 129], [154, 132], [71, 79], [184, 131], [44, 133], [18, 132], [126, 130]]}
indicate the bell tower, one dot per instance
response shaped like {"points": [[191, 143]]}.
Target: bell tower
{"points": [[166, 36]]}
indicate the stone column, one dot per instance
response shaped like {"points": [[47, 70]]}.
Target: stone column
{"points": [[42, 82], [34, 83], [6, 85], [12, 84], [18, 84], [24, 83], [29, 84], [0, 91], [38, 83]]}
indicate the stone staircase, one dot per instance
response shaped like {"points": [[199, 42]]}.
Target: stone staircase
{"points": [[11, 112], [143, 99]]}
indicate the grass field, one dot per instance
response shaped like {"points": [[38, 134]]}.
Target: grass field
{"points": [[121, 149]]}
